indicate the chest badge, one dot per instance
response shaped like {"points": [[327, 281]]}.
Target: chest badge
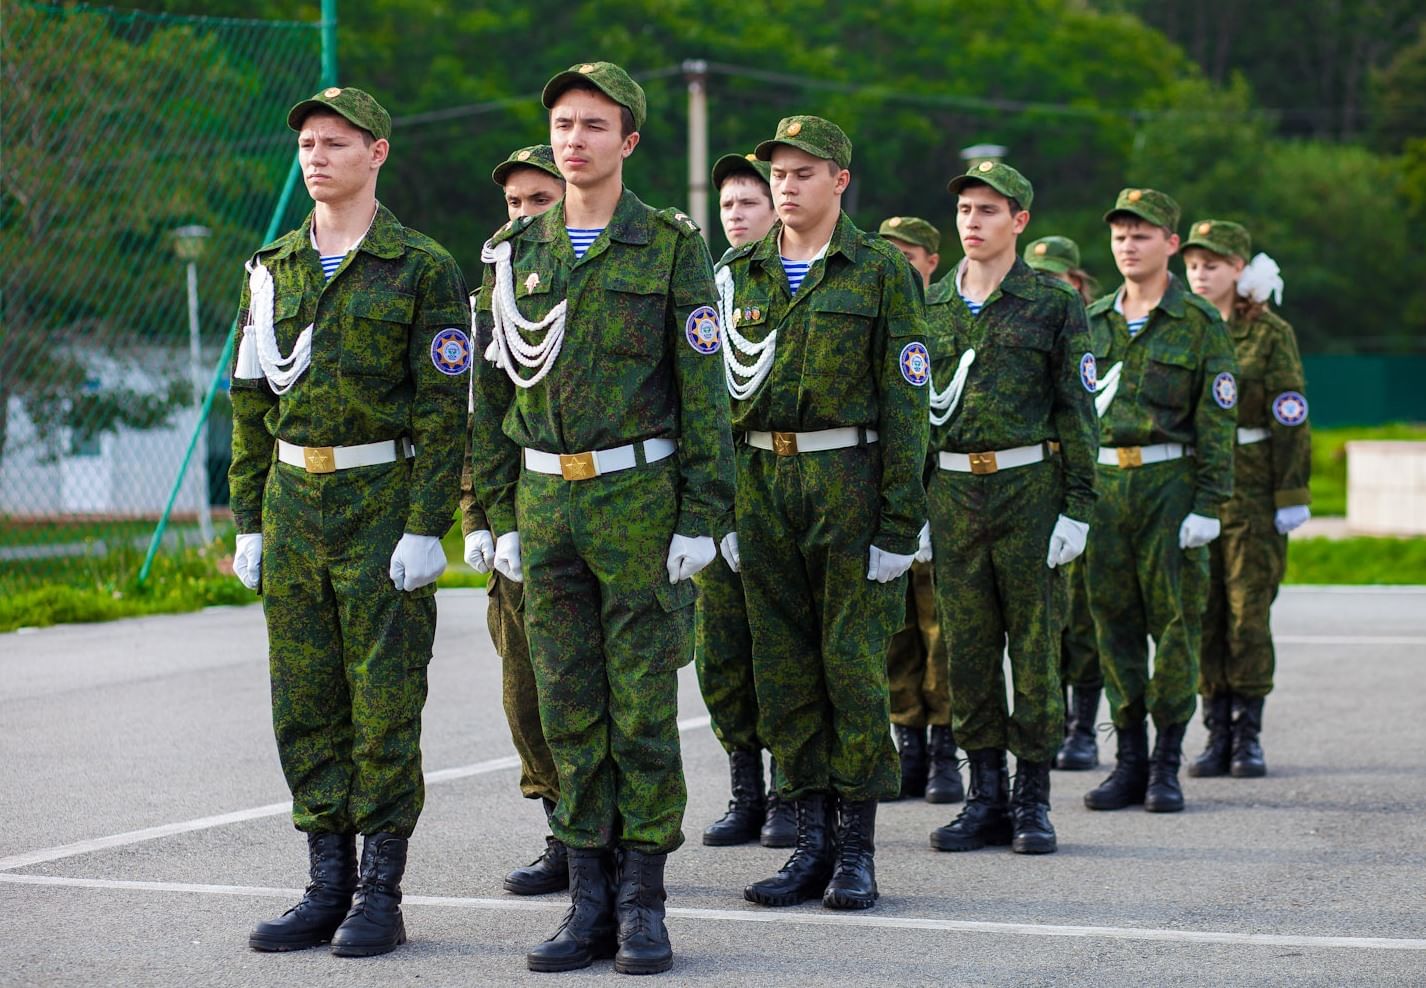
{"points": [[915, 364], [1290, 408], [450, 352], [1088, 372], [702, 330], [532, 281], [1225, 390]]}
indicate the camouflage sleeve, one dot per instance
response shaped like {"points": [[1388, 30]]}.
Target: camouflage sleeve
{"points": [[705, 438], [1291, 432], [253, 442], [494, 459], [904, 424], [1075, 421], [438, 405], [472, 515], [1215, 427]]}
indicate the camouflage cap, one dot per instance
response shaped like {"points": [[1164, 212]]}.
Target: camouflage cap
{"points": [[1222, 237], [539, 156], [1000, 177], [1054, 254], [819, 138], [357, 106], [912, 230], [731, 164], [609, 79], [1149, 205]]}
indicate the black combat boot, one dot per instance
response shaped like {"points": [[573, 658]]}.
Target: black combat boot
{"points": [[639, 904], [1247, 725], [748, 807], [780, 824], [986, 817], [853, 882], [1080, 751], [332, 879], [1164, 794], [911, 747], [374, 924], [1030, 809], [1126, 784], [1217, 754], [547, 873], [944, 782], [806, 873], [588, 930]]}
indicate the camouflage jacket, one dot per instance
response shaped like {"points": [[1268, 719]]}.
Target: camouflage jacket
{"points": [[628, 370], [1030, 381], [373, 375], [1273, 397], [841, 342]]}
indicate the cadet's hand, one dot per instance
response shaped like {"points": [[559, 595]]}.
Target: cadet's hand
{"points": [[480, 551], [886, 566], [923, 547], [687, 556], [729, 548], [1286, 519], [1066, 541], [416, 561], [247, 560], [1197, 530], [507, 557]]}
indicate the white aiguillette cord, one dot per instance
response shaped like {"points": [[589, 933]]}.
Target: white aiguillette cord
{"points": [[743, 379], [1106, 389], [281, 372], [508, 348], [943, 403]]}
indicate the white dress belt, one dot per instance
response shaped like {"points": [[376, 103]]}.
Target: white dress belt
{"points": [[791, 443], [587, 466], [1138, 456], [330, 459], [1246, 437], [992, 461]]}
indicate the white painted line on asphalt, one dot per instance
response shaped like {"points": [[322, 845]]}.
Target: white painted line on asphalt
{"points": [[44, 854], [1381, 640], [788, 917]]}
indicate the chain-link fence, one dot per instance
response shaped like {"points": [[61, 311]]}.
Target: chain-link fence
{"points": [[143, 156]]}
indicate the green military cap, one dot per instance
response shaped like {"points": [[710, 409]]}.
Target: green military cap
{"points": [[1000, 177], [912, 230], [731, 164], [540, 156], [1150, 205], [609, 79], [818, 137], [1053, 254], [356, 105], [1221, 237]]}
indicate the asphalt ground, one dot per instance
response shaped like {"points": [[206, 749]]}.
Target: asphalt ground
{"points": [[144, 828]]}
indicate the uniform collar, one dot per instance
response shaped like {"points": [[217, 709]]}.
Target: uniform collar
{"points": [[630, 224], [385, 237], [1172, 303], [845, 241]]}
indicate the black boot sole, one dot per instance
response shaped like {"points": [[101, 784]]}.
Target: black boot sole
{"points": [[943, 797], [267, 945], [1067, 762], [838, 899], [772, 840], [597, 952], [643, 967], [781, 899], [1164, 806], [1034, 845], [369, 949], [516, 887], [1195, 771], [729, 840], [957, 843], [1241, 771]]}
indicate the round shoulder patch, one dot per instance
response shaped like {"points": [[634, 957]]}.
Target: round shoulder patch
{"points": [[1225, 390], [702, 330], [915, 364], [1290, 408], [1089, 373], [450, 351]]}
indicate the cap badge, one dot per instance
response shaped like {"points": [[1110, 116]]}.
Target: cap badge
{"points": [[986, 166], [1134, 195], [794, 128], [1204, 229], [523, 156], [586, 68], [332, 92], [750, 156], [894, 222], [1041, 250]]}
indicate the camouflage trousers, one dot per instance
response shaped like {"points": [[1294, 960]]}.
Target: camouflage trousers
{"points": [[607, 635], [991, 534], [505, 618], [1079, 649], [1246, 564], [723, 656], [1142, 584], [820, 628], [916, 658], [347, 651]]}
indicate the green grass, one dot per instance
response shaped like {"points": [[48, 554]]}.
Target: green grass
{"points": [[1358, 561], [1329, 460]]}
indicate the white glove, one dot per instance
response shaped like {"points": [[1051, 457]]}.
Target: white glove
{"points": [[886, 566], [1197, 530], [729, 548], [416, 561], [687, 556], [1066, 541], [507, 557], [480, 551], [1286, 519], [247, 560], [923, 548]]}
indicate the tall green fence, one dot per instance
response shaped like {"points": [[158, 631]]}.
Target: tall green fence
{"points": [[142, 155], [1366, 389]]}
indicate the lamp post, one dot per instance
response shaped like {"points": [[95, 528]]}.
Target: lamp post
{"points": [[188, 244]]}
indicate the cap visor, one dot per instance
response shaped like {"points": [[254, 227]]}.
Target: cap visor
{"points": [[764, 150], [1055, 265], [1138, 214], [302, 110]]}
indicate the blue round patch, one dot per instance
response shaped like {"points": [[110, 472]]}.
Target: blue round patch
{"points": [[450, 352], [702, 330], [1225, 390], [1089, 373], [1290, 408], [915, 364]]}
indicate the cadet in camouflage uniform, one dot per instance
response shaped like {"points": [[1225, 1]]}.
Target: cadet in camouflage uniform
{"points": [[916, 658], [530, 184], [1167, 405], [602, 456], [830, 403], [1272, 464], [1080, 678], [1012, 374], [348, 390], [723, 651]]}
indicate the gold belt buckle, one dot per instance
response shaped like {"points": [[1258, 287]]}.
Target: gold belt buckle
{"points": [[319, 459], [577, 466], [1130, 457], [784, 443], [983, 463]]}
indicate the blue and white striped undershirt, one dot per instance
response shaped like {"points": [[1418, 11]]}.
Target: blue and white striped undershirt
{"points": [[971, 304], [330, 263], [581, 239], [1136, 326], [795, 271]]}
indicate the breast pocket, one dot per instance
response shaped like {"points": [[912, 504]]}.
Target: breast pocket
{"points": [[1168, 377], [633, 317], [375, 335], [287, 324], [841, 333]]}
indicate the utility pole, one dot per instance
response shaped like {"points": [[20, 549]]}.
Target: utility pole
{"points": [[695, 70]]}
